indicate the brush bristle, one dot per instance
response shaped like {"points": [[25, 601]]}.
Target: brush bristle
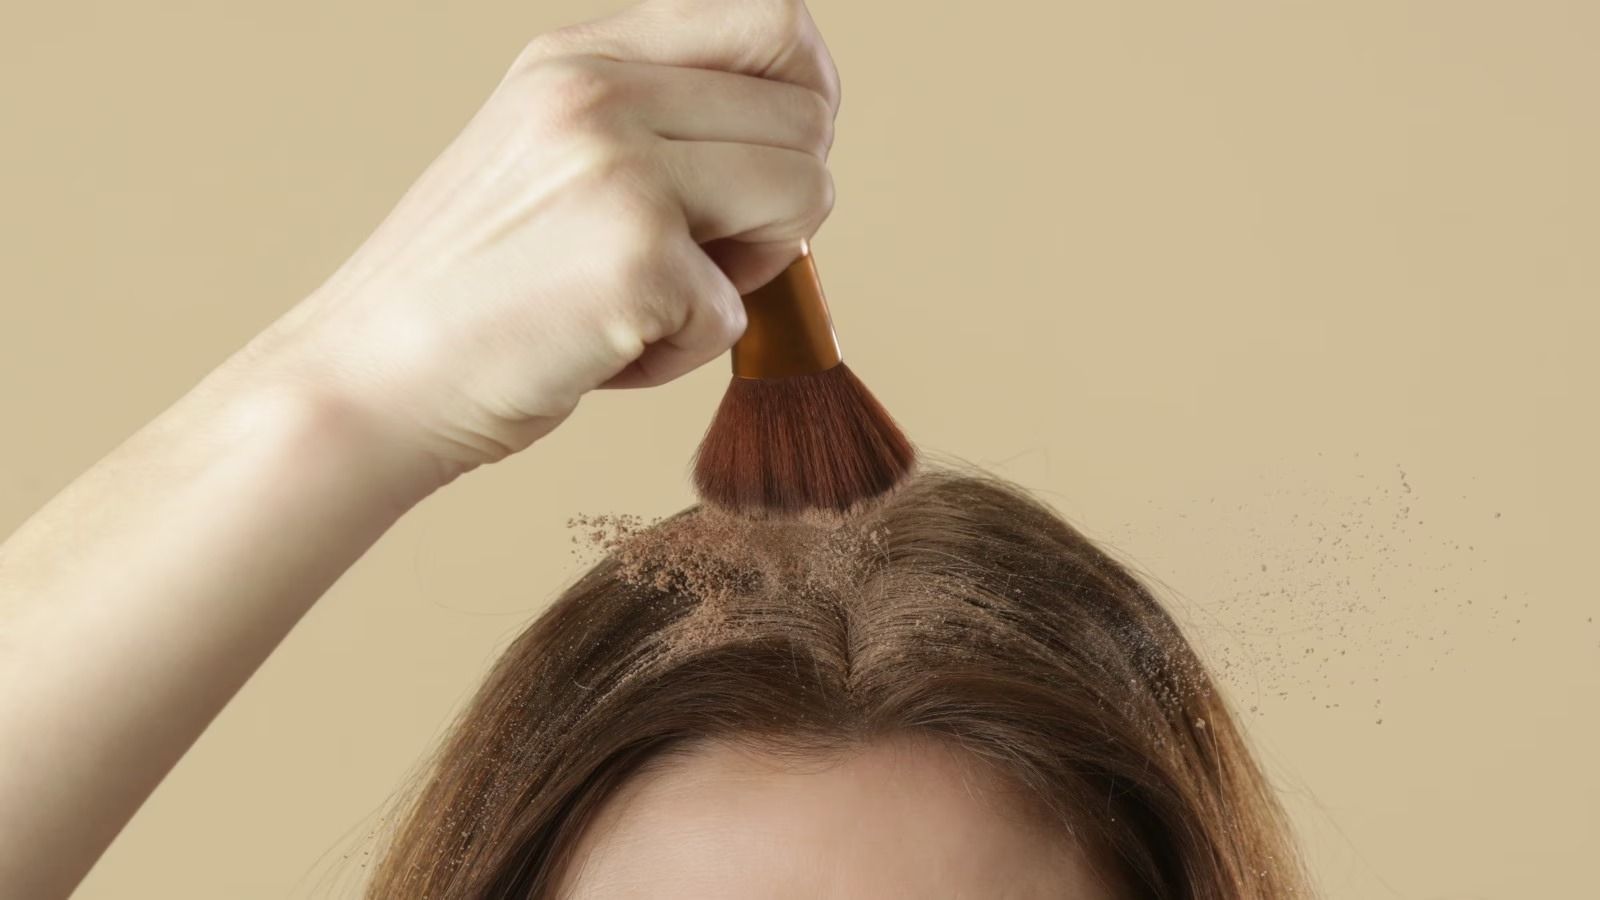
{"points": [[800, 442]]}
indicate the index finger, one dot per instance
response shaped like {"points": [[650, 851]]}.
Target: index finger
{"points": [[774, 39]]}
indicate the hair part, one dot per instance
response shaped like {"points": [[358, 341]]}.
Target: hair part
{"points": [[958, 608]]}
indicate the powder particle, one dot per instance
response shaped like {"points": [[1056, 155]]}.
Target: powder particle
{"points": [[719, 557], [1290, 575]]}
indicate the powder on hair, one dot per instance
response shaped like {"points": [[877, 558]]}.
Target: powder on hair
{"points": [[730, 563], [720, 558]]}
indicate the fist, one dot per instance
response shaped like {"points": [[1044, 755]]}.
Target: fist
{"points": [[594, 225]]}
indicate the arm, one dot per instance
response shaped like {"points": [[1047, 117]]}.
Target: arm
{"points": [[137, 602], [593, 226]]}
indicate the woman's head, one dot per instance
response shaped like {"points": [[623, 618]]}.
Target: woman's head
{"points": [[953, 693]]}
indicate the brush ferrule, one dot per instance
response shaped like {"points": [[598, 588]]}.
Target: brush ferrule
{"points": [[789, 330]]}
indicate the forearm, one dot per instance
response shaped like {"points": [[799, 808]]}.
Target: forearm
{"points": [[139, 600]]}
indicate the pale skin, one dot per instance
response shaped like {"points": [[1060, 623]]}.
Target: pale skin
{"points": [[898, 819], [592, 227]]}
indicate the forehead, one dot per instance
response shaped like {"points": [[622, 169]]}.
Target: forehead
{"points": [[895, 819]]}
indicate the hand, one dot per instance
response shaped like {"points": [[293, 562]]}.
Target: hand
{"points": [[593, 226]]}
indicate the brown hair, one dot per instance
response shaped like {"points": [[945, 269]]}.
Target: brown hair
{"points": [[959, 607]]}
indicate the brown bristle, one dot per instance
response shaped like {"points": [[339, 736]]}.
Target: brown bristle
{"points": [[818, 441]]}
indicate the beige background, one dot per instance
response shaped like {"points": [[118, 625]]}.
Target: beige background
{"points": [[1293, 304]]}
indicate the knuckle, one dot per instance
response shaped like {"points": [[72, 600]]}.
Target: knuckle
{"points": [[553, 44], [781, 29], [622, 337], [832, 89], [817, 119], [539, 48], [776, 25], [572, 92], [820, 195], [600, 161], [630, 315], [656, 308], [618, 172]]}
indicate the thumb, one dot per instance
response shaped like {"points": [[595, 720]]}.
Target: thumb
{"points": [[751, 265]]}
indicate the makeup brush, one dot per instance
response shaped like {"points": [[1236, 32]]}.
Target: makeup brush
{"points": [[796, 429]]}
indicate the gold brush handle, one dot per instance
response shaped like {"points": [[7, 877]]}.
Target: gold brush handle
{"points": [[789, 330]]}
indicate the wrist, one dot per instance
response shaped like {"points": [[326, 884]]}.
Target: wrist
{"points": [[312, 419]]}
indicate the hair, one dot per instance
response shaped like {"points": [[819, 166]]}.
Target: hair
{"points": [[968, 611]]}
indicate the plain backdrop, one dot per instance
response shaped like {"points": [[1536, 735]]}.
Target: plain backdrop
{"points": [[1291, 304]]}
